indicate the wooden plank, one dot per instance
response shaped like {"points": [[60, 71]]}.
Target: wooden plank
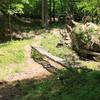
{"points": [[48, 55]]}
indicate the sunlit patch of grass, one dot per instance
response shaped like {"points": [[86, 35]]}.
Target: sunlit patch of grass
{"points": [[91, 64], [50, 44], [12, 57], [19, 68], [11, 70], [12, 52]]}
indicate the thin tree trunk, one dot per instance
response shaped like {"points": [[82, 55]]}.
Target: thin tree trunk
{"points": [[98, 9], [44, 13], [50, 10], [54, 10]]}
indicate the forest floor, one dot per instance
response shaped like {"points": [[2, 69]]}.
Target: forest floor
{"points": [[10, 86]]}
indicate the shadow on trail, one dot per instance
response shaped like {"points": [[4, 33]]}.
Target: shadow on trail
{"points": [[8, 91], [69, 84]]}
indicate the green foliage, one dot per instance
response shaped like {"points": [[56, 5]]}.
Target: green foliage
{"points": [[1, 13], [33, 7], [16, 8], [89, 8], [84, 36]]}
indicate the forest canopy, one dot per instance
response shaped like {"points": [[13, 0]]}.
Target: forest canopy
{"points": [[78, 8]]}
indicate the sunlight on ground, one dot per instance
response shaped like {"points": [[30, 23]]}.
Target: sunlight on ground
{"points": [[91, 64], [12, 57]]}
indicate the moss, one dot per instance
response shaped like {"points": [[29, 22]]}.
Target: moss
{"points": [[36, 55]]}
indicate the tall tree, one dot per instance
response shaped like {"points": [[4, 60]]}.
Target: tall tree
{"points": [[44, 13], [50, 10]]}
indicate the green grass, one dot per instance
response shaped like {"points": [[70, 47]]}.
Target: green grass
{"points": [[12, 52], [91, 64], [12, 57], [50, 44]]}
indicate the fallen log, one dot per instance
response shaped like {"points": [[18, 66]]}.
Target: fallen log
{"points": [[45, 59], [95, 54], [43, 52], [58, 60]]}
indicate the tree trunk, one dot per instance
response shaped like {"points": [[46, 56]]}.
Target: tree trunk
{"points": [[98, 9], [50, 10], [54, 10], [44, 13]]}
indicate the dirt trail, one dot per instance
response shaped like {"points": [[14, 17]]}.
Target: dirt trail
{"points": [[33, 69], [11, 86]]}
